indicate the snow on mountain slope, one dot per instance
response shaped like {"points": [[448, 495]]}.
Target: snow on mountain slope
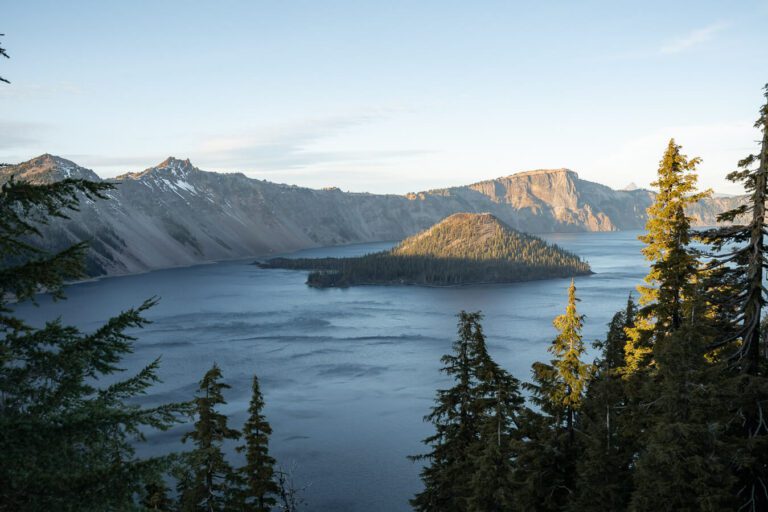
{"points": [[175, 214]]}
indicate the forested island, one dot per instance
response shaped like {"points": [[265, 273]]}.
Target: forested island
{"points": [[464, 248]]}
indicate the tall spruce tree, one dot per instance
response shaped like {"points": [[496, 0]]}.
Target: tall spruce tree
{"points": [[258, 489], [446, 487], [674, 264], [66, 441], [472, 420], [675, 401], [744, 259], [546, 466], [609, 440], [498, 406], [207, 484], [740, 268], [565, 379]]}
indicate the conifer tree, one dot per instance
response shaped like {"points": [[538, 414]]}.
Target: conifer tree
{"points": [[741, 263], [66, 441], [207, 485], [472, 419], [545, 467], [609, 440], [446, 488], [745, 263], [498, 405], [258, 487], [572, 374], [683, 464], [674, 264], [156, 497]]}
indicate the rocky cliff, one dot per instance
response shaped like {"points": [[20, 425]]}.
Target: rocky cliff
{"points": [[175, 214]]}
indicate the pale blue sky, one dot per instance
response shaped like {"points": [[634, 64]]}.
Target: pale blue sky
{"points": [[384, 96]]}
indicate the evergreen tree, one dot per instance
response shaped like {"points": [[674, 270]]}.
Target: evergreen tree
{"points": [[568, 348], [498, 406], [469, 457], [446, 488], [156, 497], [745, 261], [682, 465], [609, 440], [674, 263], [546, 470], [207, 485], [258, 488], [741, 263], [66, 442]]}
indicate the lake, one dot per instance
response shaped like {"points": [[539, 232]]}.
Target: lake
{"points": [[347, 374]]}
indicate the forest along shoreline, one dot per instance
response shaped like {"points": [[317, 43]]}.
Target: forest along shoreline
{"points": [[462, 249]]}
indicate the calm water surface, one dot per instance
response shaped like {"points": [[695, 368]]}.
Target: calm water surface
{"points": [[347, 374]]}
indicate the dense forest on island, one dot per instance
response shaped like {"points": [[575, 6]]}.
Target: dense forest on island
{"points": [[464, 248], [670, 415]]}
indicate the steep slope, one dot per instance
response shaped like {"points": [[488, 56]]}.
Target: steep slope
{"points": [[175, 214], [482, 236], [465, 248]]}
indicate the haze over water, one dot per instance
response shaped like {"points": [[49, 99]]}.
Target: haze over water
{"points": [[347, 374]]}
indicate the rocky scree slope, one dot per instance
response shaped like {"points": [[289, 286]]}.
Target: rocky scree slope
{"points": [[175, 214]]}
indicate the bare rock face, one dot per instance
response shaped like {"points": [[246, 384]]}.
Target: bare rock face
{"points": [[175, 214]]}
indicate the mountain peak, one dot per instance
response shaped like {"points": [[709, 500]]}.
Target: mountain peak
{"points": [[483, 236], [172, 161], [176, 165], [457, 234], [48, 168]]}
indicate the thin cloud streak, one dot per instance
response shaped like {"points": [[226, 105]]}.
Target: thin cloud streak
{"points": [[694, 38], [294, 146], [291, 149]]}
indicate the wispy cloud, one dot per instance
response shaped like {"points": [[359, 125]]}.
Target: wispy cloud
{"points": [[20, 134], [303, 149], [694, 38], [295, 146]]}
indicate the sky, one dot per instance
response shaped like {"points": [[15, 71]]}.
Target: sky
{"points": [[385, 96]]}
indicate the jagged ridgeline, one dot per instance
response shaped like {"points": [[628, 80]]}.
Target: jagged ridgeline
{"points": [[465, 248]]}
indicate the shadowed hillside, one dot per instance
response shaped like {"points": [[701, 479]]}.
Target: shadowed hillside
{"points": [[464, 248]]}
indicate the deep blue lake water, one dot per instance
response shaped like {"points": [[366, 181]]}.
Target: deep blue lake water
{"points": [[347, 374]]}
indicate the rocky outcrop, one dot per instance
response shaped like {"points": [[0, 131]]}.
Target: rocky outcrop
{"points": [[175, 214]]}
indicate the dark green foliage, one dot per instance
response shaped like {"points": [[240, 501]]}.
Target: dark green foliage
{"points": [[25, 268], [207, 480], [608, 422], [741, 252], [740, 266], [545, 464], [473, 427], [156, 498], [257, 479], [66, 441], [682, 463], [462, 249], [498, 405]]}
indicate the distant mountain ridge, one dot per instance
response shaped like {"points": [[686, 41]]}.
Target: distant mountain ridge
{"points": [[175, 214]]}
